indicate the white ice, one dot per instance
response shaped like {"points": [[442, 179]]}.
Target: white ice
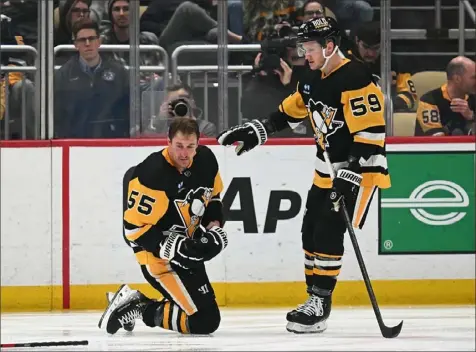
{"points": [[349, 329]]}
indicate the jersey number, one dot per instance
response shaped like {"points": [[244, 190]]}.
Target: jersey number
{"points": [[145, 202], [360, 107], [430, 116], [411, 85]]}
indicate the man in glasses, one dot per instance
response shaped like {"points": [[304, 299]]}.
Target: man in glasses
{"points": [[366, 48], [91, 94], [70, 12], [313, 9]]}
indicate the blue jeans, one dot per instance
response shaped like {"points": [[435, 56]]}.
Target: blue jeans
{"points": [[235, 16]]}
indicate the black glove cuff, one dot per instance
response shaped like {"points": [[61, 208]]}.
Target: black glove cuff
{"points": [[260, 130]]}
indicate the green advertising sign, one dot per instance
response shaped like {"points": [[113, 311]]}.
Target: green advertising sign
{"points": [[431, 204]]}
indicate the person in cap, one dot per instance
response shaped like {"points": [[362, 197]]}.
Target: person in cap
{"points": [[365, 48]]}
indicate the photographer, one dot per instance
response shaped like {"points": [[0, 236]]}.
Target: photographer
{"points": [[178, 101], [273, 78]]}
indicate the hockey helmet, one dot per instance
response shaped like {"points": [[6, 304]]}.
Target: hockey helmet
{"points": [[320, 30]]}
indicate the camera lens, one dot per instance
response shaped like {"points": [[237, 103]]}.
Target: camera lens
{"points": [[181, 109]]}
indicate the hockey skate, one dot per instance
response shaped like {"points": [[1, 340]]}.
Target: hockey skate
{"points": [[124, 308], [129, 326], [311, 316]]}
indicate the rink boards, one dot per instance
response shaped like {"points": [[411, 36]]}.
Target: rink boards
{"points": [[61, 230]]}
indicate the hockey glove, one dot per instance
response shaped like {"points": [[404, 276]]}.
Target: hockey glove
{"points": [[248, 136], [212, 241], [345, 185], [181, 251]]}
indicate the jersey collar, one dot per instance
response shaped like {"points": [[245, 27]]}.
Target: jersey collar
{"points": [[444, 90], [344, 62], [167, 157]]}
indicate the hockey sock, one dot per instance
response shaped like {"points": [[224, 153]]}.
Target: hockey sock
{"points": [[326, 269], [308, 268], [167, 315]]}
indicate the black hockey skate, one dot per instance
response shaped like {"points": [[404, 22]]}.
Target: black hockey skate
{"points": [[311, 316], [125, 307], [129, 326]]}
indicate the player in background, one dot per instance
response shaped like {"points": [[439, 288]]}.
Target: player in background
{"points": [[173, 224], [346, 110]]}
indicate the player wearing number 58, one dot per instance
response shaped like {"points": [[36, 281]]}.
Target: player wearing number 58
{"points": [[346, 110], [173, 223]]}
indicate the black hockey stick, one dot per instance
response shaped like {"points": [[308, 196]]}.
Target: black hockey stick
{"points": [[44, 344], [387, 332]]}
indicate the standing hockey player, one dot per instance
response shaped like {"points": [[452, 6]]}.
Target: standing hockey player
{"points": [[173, 223], [345, 108]]}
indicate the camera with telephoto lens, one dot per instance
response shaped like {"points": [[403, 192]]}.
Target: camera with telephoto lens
{"points": [[276, 48], [180, 107]]}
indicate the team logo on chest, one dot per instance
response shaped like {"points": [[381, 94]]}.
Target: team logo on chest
{"points": [[191, 208], [322, 120]]}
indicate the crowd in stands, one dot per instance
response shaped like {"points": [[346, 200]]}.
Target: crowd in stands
{"points": [[92, 89]]}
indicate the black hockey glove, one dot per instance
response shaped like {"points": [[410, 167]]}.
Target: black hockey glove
{"points": [[346, 185], [181, 251], [188, 253], [212, 241], [248, 136]]}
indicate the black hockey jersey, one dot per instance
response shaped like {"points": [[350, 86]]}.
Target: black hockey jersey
{"points": [[162, 200], [402, 85], [434, 114], [346, 111]]}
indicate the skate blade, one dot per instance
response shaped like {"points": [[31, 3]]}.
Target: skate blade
{"points": [[306, 329], [113, 304]]}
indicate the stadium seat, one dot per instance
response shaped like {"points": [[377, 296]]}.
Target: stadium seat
{"points": [[142, 10], [428, 80], [404, 124]]}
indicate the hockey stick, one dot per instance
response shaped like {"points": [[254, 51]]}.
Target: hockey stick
{"points": [[387, 332], [44, 344]]}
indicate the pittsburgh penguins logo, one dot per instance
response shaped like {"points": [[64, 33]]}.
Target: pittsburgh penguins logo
{"points": [[322, 120], [191, 209]]}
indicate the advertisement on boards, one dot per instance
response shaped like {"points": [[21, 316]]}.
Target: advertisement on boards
{"points": [[430, 208]]}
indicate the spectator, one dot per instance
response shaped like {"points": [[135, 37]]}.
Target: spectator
{"points": [[312, 9], [116, 31], [91, 94], [449, 110], [71, 11], [365, 47], [263, 18], [179, 101], [24, 15], [351, 13], [13, 85], [97, 9], [189, 22], [268, 85]]}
